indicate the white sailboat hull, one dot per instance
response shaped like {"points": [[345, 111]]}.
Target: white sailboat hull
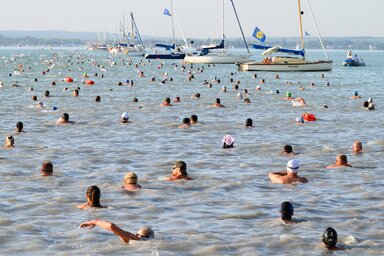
{"points": [[321, 65], [216, 59]]}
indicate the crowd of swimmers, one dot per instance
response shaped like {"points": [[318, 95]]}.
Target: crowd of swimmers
{"points": [[179, 171]]}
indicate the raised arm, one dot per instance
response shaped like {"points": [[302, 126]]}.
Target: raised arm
{"points": [[124, 235]]}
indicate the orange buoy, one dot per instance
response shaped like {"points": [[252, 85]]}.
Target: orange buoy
{"points": [[90, 82], [68, 79], [309, 117]]}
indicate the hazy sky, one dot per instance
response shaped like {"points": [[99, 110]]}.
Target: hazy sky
{"points": [[198, 18]]}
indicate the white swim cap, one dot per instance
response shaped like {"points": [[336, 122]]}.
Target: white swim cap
{"points": [[293, 166]]}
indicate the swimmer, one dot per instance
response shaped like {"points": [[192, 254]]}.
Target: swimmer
{"points": [[355, 96], [299, 120], [357, 147], [124, 118], [143, 233], [46, 94], [166, 103], [186, 123], [298, 102], [217, 104], [19, 127], [286, 212], [64, 119], [75, 93], [195, 96], [288, 150], [248, 123], [39, 104], [224, 89], [194, 119], [247, 101], [371, 106], [179, 172], [98, 99], [228, 141], [288, 96], [341, 161], [330, 239], [93, 198], [130, 182], [176, 99], [9, 142], [289, 176], [46, 168]]}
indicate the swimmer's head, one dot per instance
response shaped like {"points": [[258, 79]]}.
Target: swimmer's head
{"points": [[65, 117], [228, 141], [19, 126], [248, 122], [356, 94], [288, 149], [146, 232], [293, 166], [299, 120], [130, 178], [124, 117], [288, 94], [182, 167], [286, 210], [46, 168], [330, 237]]}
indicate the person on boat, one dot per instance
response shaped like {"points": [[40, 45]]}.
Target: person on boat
{"points": [[9, 142], [64, 119], [349, 54], [266, 61], [357, 146], [355, 95], [286, 212], [179, 172], [186, 123], [143, 233], [228, 141], [93, 198], [130, 182], [166, 102], [289, 176], [218, 104], [341, 161], [46, 168], [19, 127], [330, 239]]}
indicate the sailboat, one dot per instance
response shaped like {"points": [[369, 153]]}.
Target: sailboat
{"points": [[218, 54], [288, 62], [133, 46], [172, 51]]}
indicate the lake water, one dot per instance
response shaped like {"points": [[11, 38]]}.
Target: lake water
{"points": [[231, 207]]}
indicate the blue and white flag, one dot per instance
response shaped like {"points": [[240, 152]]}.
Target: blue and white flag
{"points": [[167, 12], [306, 33], [259, 35]]}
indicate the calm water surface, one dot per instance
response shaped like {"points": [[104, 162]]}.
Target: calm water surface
{"points": [[231, 208]]}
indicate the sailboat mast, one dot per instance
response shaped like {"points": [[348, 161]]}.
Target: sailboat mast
{"points": [[136, 30], [301, 25], [173, 28], [317, 30], [241, 29]]}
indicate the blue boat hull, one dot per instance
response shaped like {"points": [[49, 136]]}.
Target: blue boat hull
{"points": [[165, 56], [353, 63]]}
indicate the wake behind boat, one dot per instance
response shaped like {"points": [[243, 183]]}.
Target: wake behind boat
{"points": [[288, 62]]}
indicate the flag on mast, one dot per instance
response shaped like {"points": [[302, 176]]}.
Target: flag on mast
{"points": [[259, 35]]}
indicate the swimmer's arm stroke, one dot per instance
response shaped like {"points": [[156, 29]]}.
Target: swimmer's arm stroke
{"points": [[124, 235]]}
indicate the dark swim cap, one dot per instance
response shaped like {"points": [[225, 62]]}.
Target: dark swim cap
{"points": [[330, 237]]}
